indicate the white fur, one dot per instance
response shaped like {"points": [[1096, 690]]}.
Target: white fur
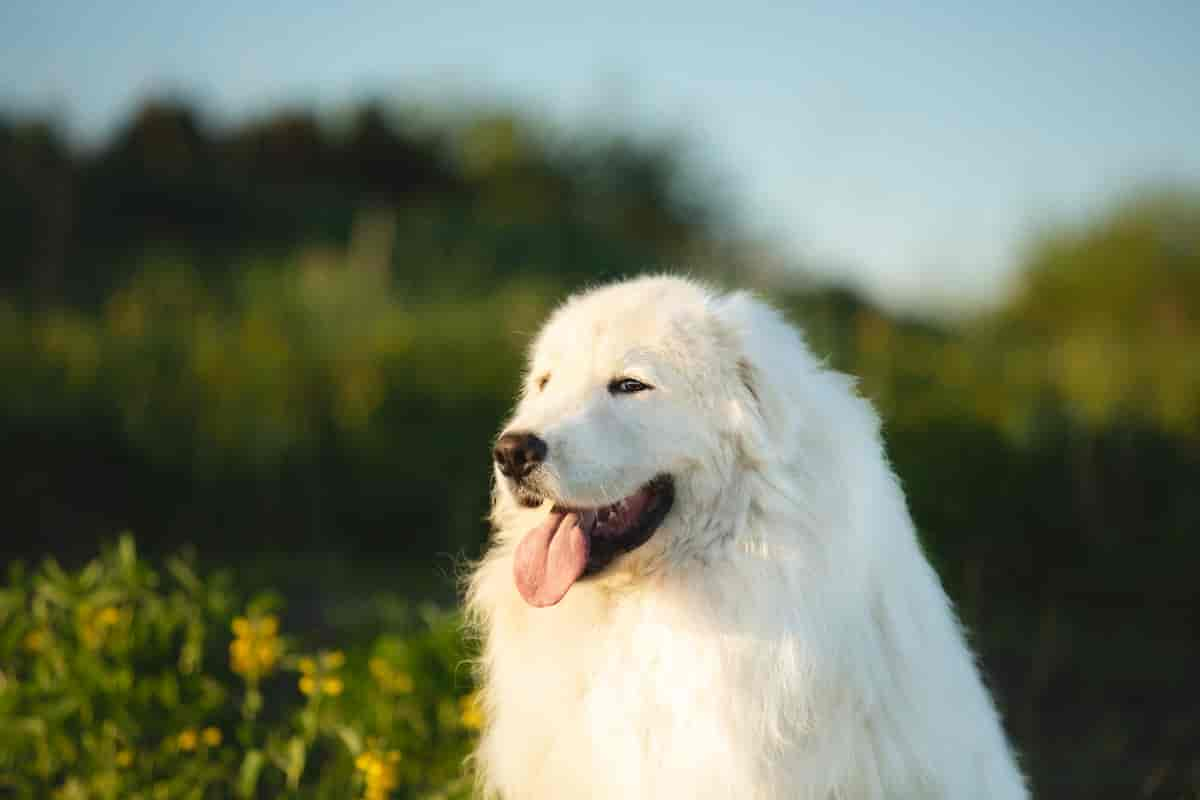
{"points": [[781, 635]]}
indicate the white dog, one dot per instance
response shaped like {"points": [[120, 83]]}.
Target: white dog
{"points": [[705, 582]]}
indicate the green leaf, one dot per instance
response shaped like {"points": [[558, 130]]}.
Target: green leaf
{"points": [[184, 574], [295, 762], [126, 553], [351, 738], [252, 765]]}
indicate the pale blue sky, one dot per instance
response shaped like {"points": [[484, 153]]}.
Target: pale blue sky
{"points": [[909, 147]]}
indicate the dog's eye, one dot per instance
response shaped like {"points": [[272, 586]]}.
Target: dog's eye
{"points": [[627, 386], [542, 381]]}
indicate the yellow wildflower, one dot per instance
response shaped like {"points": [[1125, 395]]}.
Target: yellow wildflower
{"points": [[317, 674], [239, 651], [124, 758], [266, 653], [211, 736], [379, 772], [255, 650], [187, 739], [471, 711]]}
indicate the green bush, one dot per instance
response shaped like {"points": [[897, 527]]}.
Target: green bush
{"points": [[300, 383], [120, 680]]}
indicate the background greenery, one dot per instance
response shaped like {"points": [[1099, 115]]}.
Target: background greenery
{"points": [[288, 344]]}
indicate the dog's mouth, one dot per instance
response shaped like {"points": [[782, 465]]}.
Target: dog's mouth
{"points": [[575, 543]]}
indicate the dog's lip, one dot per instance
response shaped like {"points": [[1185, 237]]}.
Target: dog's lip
{"points": [[656, 487]]}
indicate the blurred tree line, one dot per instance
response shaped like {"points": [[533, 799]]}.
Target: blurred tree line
{"points": [[475, 203], [297, 336]]}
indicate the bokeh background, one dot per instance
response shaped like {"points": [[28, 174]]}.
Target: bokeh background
{"points": [[268, 270]]}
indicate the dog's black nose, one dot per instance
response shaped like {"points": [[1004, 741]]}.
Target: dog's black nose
{"points": [[518, 453]]}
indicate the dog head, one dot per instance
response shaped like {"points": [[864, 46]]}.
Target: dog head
{"points": [[647, 409]]}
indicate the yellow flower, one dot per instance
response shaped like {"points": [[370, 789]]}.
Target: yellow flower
{"points": [[471, 711], [255, 650], [379, 772], [317, 675], [124, 758], [187, 739], [240, 655], [266, 653], [211, 736]]}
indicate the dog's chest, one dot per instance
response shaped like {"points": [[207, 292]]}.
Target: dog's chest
{"points": [[639, 707]]}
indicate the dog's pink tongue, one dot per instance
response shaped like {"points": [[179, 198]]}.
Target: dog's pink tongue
{"points": [[551, 557]]}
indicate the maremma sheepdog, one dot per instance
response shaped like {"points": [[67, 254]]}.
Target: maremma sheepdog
{"points": [[704, 580]]}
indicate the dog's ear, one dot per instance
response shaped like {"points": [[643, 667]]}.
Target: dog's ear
{"points": [[771, 364]]}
